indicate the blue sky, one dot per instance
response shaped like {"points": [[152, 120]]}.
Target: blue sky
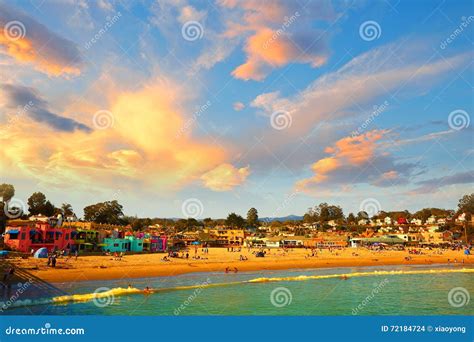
{"points": [[235, 104]]}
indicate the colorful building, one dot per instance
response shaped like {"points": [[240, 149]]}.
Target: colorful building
{"points": [[86, 240], [154, 243], [23, 236], [127, 244]]}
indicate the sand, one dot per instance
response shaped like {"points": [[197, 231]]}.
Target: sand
{"points": [[151, 265]]}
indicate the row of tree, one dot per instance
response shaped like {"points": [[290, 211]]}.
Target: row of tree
{"points": [[324, 213], [111, 212]]}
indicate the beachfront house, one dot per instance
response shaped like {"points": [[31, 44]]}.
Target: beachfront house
{"points": [[153, 243], [126, 244], [431, 220], [225, 236], [273, 242], [384, 240], [293, 241], [387, 221], [86, 240], [24, 236]]}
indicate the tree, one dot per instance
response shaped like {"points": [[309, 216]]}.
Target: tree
{"points": [[208, 222], [38, 204], [110, 212], [66, 210], [351, 218], [235, 221], [466, 204], [252, 217], [323, 213], [7, 191], [362, 215]]}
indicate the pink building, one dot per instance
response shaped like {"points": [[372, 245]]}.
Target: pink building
{"points": [[23, 236]]}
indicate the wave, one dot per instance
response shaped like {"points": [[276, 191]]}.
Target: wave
{"points": [[106, 295]]}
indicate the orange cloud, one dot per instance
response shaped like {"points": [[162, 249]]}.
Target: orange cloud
{"points": [[138, 147], [279, 35], [225, 177], [28, 41], [346, 153]]}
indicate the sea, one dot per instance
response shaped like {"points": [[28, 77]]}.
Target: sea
{"points": [[377, 290]]}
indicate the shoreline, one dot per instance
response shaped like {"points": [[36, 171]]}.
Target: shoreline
{"points": [[90, 268]]}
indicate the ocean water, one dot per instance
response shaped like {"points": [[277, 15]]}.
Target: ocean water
{"points": [[407, 290]]}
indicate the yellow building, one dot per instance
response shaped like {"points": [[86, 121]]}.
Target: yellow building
{"points": [[225, 236]]}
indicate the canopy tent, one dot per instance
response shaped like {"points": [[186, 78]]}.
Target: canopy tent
{"points": [[13, 231], [41, 253]]}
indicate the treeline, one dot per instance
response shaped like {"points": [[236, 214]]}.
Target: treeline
{"points": [[111, 212]]}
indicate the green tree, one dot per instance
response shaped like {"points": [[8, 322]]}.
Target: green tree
{"points": [[466, 204], [110, 212], [252, 217], [235, 221], [37, 204], [351, 218], [66, 209], [362, 215], [323, 213], [7, 191]]}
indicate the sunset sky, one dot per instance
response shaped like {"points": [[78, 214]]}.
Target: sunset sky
{"points": [[277, 105]]}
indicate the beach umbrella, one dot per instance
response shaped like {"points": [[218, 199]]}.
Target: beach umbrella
{"points": [[41, 253]]}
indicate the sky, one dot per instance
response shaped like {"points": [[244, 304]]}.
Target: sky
{"points": [[202, 108]]}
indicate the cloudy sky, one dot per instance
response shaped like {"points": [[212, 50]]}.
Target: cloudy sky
{"points": [[219, 106]]}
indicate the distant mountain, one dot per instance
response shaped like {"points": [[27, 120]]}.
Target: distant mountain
{"points": [[285, 218]]}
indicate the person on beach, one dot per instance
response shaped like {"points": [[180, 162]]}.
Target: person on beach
{"points": [[76, 254], [147, 290]]}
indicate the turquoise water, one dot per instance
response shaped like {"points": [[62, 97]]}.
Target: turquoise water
{"points": [[403, 294]]}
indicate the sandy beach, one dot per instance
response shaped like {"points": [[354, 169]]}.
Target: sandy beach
{"points": [[218, 259]]}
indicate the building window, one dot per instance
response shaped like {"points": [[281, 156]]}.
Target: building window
{"points": [[115, 244]]}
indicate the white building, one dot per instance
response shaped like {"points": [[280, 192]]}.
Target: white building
{"points": [[431, 220]]}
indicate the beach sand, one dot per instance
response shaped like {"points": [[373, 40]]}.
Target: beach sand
{"points": [[151, 265]]}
